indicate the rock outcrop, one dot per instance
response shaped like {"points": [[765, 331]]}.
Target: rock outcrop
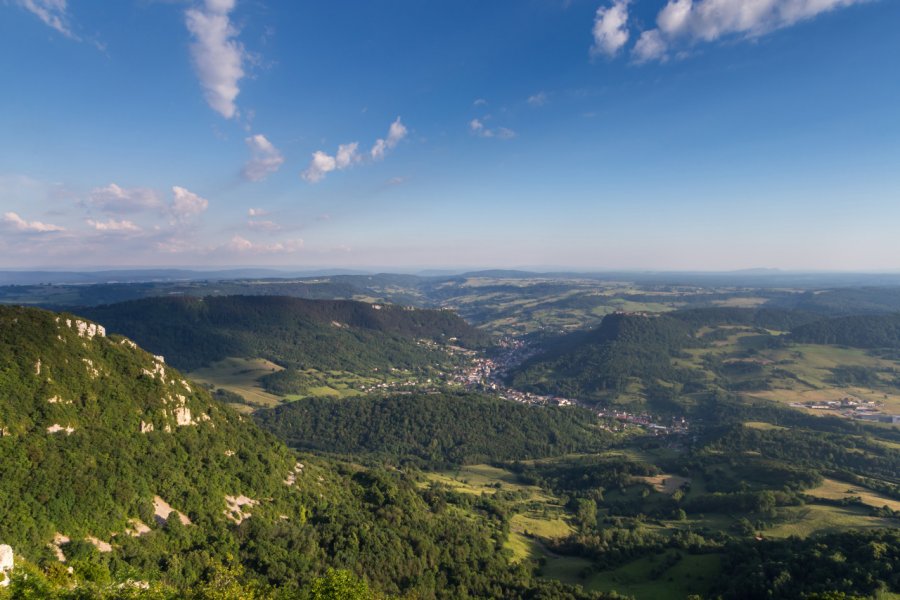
{"points": [[6, 564]]}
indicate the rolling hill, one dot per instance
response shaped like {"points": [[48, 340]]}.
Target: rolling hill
{"points": [[293, 332]]}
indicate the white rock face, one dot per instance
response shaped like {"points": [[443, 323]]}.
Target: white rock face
{"points": [[236, 504], [6, 564], [56, 428], [146, 427], [91, 369], [85, 329], [183, 416], [162, 510]]}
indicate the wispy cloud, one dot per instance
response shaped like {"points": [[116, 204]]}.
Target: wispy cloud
{"points": [[112, 225], [242, 245], [539, 99], [18, 223], [263, 225], [683, 23], [257, 212], [265, 158], [54, 14], [396, 133], [477, 127], [348, 155], [610, 28], [115, 199], [217, 56]]}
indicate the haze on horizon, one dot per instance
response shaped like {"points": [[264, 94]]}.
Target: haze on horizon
{"points": [[596, 134]]}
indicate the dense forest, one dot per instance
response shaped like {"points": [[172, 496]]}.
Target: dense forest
{"points": [[435, 430], [868, 331], [594, 363], [322, 334], [86, 478]]}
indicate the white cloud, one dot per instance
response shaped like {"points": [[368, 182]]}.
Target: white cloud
{"points": [[242, 245], [687, 22], [265, 158], [321, 165], [21, 224], [539, 99], [186, 203], [477, 127], [396, 133], [348, 155], [480, 102], [257, 212], [53, 13], [115, 199], [217, 56], [610, 28], [113, 225], [650, 46]]}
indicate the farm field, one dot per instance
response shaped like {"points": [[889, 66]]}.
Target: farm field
{"points": [[240, 376], [839, 490], [804, 521]]}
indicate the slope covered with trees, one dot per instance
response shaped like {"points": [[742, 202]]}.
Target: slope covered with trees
{"points": [[594, 363], [435, 430], [101, 440], [864, 331], [293, 332]]}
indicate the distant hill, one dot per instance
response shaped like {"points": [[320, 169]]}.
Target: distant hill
{"points": [[595, 363], [434, 429], [293, 332], [865, 331]]}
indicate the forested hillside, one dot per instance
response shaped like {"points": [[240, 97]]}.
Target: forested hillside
{"points": [[297, 333], [115, 464], [435, 430], [594, 363], [867, 331]]}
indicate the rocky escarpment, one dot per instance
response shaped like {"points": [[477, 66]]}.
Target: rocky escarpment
{"points": [[63, 368], [95, 433]]}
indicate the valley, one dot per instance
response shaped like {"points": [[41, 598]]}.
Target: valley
{"points": [[640, 452]]}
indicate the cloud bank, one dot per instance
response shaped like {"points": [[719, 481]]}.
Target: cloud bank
{"points": [[681, 24]]}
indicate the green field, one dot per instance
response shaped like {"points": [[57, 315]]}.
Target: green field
{"points": [[240, 375], [804, 521]]}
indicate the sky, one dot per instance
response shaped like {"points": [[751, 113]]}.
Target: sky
{"points": [[402, 134]]}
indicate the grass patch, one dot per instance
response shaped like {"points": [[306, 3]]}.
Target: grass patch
{"points": [[240, 375], [837, 490], [811, 519]]}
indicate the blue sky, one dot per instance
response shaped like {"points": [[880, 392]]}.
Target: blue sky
{"points": [[614, 134]]}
